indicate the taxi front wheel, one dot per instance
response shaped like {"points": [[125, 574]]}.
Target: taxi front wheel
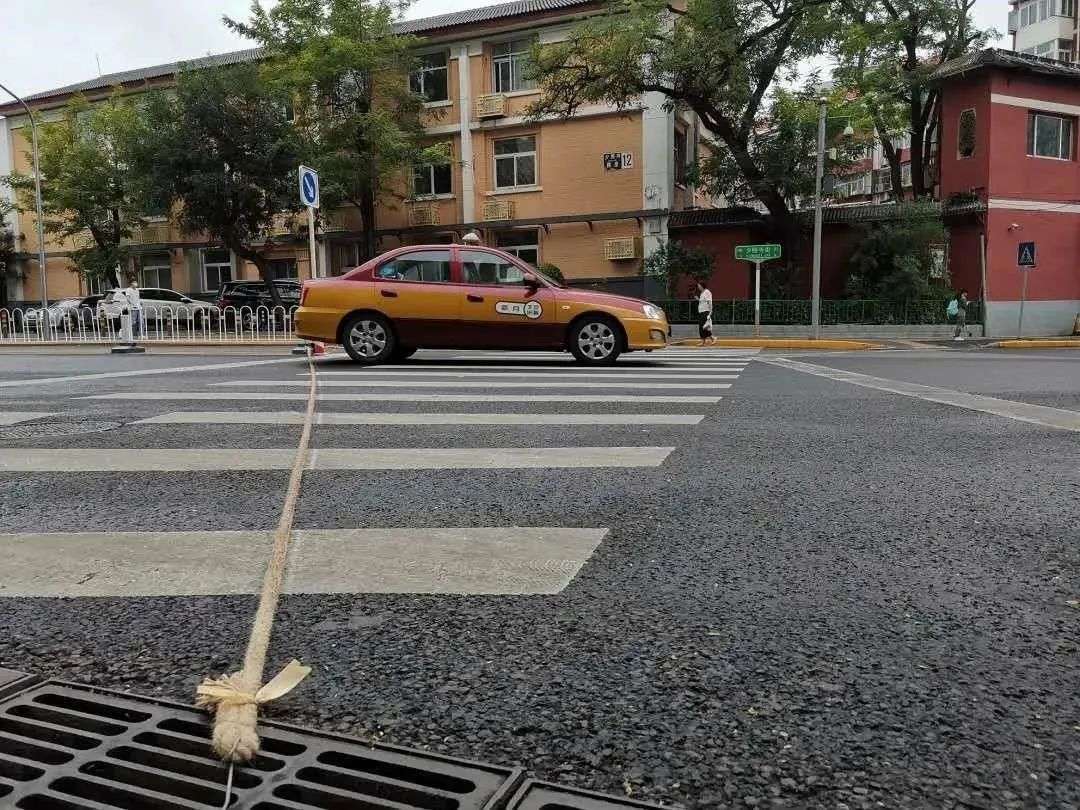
{"points": [[595, 341], [368, 338]]}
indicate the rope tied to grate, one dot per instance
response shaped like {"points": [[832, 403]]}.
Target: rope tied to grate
{"points": [[235, 698]]}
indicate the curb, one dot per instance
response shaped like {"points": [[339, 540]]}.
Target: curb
{"points": [[1062, 343], [779, 343]]}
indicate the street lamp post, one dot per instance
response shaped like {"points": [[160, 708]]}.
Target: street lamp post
{"points": [[37, 202], [815, 292]]}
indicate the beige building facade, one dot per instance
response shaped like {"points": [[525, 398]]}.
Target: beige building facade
{"points": [[590, 194]]}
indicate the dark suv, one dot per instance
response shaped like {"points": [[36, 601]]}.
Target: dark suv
{"points": [[248, 299]]}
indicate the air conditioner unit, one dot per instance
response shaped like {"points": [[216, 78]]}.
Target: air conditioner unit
{"points": [[627, 247], [498, 209], [424, 215], [492, 106]]}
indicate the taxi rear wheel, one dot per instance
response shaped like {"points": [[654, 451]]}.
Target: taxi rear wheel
{"points": [[595, 341], [368, 338]]}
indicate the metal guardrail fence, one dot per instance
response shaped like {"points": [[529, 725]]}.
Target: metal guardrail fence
{"points": [[163, 324], [928, 311]]}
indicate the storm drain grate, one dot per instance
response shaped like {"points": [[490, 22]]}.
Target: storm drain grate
{"points": [[68, 747], [536, 795], [12, 681], [43, 430]]}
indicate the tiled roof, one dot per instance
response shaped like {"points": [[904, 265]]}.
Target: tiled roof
{"points": [[728, 217], [712, 217], [1010, 60], [420, 26], [484, 14]]}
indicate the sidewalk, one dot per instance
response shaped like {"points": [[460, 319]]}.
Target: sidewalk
{"points": [[779, 343]]}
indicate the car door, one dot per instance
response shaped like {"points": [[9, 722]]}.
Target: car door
{"points": [[415, 290], [499, 310]]}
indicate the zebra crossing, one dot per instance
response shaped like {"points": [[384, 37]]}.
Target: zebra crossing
{"points": [[514, 398]]}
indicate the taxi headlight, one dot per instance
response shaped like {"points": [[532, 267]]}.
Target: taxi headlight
{"points": [[654, 313]]}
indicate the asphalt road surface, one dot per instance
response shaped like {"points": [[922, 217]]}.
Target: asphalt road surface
{"points": [[707, 578]]}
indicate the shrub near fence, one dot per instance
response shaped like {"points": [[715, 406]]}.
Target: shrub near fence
{"points": [[837, 311]]}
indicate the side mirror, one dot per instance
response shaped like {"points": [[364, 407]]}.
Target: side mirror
{"points": [[530, 280]]}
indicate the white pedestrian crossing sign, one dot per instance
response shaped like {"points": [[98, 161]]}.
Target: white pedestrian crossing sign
{"points": [[1025, 254]]}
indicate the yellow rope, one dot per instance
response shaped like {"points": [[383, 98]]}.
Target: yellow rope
{"points": [[235, 698]]}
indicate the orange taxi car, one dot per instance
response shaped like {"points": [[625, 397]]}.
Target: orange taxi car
{"points": [[464, 297]]}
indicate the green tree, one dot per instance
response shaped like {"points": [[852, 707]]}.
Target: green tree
{"points": [[894, 259], [887, 51], [346, 71], [720, 58], [672, 262], [90, 191], [222, 154]]}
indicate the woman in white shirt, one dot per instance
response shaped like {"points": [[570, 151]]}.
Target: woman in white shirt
{"points": [[704, 308]]}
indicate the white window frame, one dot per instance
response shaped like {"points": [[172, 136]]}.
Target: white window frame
{"points": [[1033, 118], [516, 61], [422, 73], [433, 194], [515, 250], [905, 175], [218, 265], [515, 156], [146, 281]]}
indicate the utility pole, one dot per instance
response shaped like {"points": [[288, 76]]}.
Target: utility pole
{"points": [[40, 216], [815, 291]]}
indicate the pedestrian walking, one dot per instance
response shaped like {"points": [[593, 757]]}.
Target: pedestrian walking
{"points": [[134, 301], [958, 308], [704, 308]]}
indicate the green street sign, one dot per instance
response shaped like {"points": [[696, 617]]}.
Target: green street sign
{"points": [[756, 253]]}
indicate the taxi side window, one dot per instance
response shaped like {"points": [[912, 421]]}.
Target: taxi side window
{"points": [[486, 268], [426, 266]]}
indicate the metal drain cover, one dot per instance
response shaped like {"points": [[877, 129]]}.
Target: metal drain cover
{"points": [[43, 430]]}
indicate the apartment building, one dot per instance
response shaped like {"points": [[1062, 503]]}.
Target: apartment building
{"points": [[590, 194], [1044, 28]]}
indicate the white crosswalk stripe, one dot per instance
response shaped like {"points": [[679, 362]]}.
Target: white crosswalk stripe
{"points": [[261, 396], [14, 417], [169, 460], [418, 419], [473, 560], [411, 382]]}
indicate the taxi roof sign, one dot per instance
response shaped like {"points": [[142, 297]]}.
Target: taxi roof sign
{"points": [[756, 253]]}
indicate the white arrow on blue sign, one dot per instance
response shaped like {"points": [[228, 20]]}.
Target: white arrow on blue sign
{"points": [[309, 187]]}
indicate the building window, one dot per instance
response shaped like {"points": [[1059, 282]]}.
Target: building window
{"points": [[515, 162], [1066, 8], [509, 64], [96, 285], [283, 269], [430, 78], [431, 179], [682, 152], [1044, 48], [155, 270], [882, 180], [905, 175], [1050, 136], [217, 269], [523, 244], [965, 134]]}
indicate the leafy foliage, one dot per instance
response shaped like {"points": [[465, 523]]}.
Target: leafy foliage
{"points": [[894, 259], [90, 194], [552, 271], [345, 72], [720, 58], [673, 262], [221, 152], [887, 51]]}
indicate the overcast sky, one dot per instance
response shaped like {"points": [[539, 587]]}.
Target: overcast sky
{"points": [[50, 43]]}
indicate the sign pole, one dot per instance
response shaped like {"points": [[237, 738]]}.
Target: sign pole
{"points": [[1023, 298], [757, 299], [311, 240]]}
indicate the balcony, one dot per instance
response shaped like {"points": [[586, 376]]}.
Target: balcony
{"points": [[426, 214], [623, 248], [498, 209], [491, 106]]}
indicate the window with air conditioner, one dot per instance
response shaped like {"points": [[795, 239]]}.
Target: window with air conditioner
{"points": [[430, 79], [515, 162], [1050, 136], [509, 64]]}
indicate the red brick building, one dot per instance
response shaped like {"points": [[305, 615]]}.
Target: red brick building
{"points": [[1009, 143]]}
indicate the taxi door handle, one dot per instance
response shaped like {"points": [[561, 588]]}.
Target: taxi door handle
{"points": [[476, 299], [388, 293]]}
